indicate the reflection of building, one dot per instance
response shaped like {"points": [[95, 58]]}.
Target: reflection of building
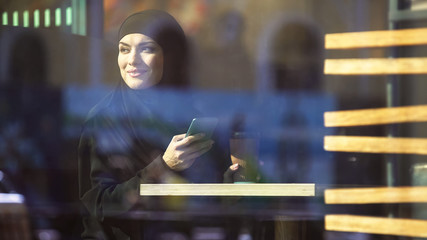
{"points": [[290, 54], [81, 17], [44, 47], [64, 27], [220, 59]]}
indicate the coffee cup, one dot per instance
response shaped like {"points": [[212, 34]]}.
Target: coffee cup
{"points": [[244, 151]]}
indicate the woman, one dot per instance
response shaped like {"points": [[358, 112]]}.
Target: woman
{"points": [[123, 144]]}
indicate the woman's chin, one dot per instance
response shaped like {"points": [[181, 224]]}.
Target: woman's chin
{"points": [[136, 84]]}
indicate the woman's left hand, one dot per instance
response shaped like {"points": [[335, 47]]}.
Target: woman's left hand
{"points": [[229, 174], [183, 151]]}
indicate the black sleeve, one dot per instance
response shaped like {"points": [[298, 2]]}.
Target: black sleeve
{"points": [[104, 195]]}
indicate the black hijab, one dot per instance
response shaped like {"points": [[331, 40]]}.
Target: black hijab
{"points": [[140, 112], [142, 109]]}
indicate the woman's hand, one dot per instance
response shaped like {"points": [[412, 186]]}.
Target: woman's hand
{"points": [[183, 151], [229, 174]]}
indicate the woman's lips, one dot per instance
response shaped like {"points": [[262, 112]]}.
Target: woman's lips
{"points": [[136, 73]]}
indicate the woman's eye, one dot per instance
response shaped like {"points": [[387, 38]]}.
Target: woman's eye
{"points": [[148, 49], [124, 50]]}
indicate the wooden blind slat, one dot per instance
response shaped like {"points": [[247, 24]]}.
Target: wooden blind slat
{"points": [[376, 195], [386, 38], [376, 144], [376, 225], [223, 189], [375, 116], [375, 66]]}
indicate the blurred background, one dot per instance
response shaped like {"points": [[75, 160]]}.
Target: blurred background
{"points": [[255, 64]]}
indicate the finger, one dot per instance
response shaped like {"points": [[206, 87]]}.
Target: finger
{"points": [[196, 146], [193, 142], [234, 167], [192, 138], [197, 153], [178, 138]]}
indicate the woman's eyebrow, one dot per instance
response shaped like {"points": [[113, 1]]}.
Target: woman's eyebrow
{"points": [[146, 43], [140, 44], [122, 43]]}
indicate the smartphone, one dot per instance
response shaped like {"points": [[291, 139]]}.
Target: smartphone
{"points": [[204, 125]]}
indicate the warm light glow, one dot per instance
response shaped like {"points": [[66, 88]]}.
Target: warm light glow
{"points": [[5, 19], [15, 19], [68, 16], [58, 17], [26, 18], [47, 18], [36, 18]]}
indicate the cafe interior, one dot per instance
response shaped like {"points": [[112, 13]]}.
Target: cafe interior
{"points": [[324, 101]]}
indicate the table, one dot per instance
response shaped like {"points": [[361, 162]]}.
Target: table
{"points": [[279, 223], [225, 189]]}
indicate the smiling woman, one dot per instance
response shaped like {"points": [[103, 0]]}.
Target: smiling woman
{"points": [[140, 61], [124, 141], [155, 34]]}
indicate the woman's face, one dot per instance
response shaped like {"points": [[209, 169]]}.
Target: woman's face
{"points": [[140, 61]]}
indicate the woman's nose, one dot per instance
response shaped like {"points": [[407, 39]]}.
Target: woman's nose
{"points": [[135, 59]]}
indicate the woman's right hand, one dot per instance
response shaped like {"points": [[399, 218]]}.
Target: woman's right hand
{"points": [[183, 151]]}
